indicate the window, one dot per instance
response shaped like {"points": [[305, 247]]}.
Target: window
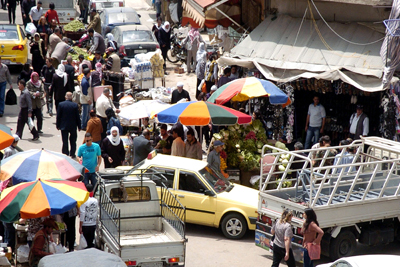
{"points": [[122, 18], [8, 34], [218, 182], [190, 182], [137, 36], [161, 175], [130, 194]]}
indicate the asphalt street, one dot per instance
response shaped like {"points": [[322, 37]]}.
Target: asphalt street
{"points": [[206, 246]]}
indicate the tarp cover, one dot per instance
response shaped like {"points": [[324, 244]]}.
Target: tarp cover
{"points": [[83, 258], [270, 49]]}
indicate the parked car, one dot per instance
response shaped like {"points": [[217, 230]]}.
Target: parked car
{"points": [[13, 45], [209, 198], [134, 39], [102, 4], [365, 261], [111, 17]]}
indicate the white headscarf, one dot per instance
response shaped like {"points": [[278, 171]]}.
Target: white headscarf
{"points": [[201, 53], [60, 71], [110, 38], [114, 140], [164, 26]]}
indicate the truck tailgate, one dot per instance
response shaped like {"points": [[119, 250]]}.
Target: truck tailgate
{"points": [[144, 237]]}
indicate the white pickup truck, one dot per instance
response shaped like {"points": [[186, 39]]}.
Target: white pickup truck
{"points": [[138, 226], [359, 200]]}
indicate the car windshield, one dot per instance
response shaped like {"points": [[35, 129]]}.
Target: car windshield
{"points": [[137, 36], [8, 34], [217, 181], [117, 18]]}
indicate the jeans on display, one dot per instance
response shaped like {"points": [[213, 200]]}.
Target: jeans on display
{"points": [[92, 177], [2, 96], [312, 132], [85, 115]]}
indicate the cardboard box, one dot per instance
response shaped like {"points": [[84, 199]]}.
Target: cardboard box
{"points": [[179, 70]]}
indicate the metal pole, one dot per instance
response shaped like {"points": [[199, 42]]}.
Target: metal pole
{"points": [[234, 22]]}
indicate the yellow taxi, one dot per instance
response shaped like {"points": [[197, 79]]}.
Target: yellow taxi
{"points": [[13, 45], [209, 198]]}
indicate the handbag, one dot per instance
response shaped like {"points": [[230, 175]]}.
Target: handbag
{"points": [[314, 251], [11, 97]]}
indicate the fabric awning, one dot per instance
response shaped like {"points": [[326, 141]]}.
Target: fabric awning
{"points": [[270, 49]]}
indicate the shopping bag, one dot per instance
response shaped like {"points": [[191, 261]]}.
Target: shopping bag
{"points": [[11, 97], [30, 123], [59, 249], [52, 247], [82, 243], [23, 253], [30, 28], [314, 251], [201, 85]]}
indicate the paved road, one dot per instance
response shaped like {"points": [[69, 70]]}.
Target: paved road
{"points": [[206, 246]]}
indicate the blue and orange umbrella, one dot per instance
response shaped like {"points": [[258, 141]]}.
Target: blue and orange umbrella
{"points": [[41, 198], [247, 88], [39, 163], [6, 138]]}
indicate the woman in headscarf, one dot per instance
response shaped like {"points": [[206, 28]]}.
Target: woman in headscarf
{"points": [[164, 39], [157, 27], [112, 149], [192, 42], [36, 89], [201, 59], [59, 85], [111, 42], [97, 74], [38, 53]]}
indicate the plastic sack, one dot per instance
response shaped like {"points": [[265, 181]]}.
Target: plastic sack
{"points": [[23, 253], [173, 10], [30, 123], [59, 249], [30, 28], [82, 243], [201, 85], [52, 247]]}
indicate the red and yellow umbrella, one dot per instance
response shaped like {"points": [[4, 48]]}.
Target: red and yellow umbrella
{"points": [[41, 198], [200, 113], [246, 88]]}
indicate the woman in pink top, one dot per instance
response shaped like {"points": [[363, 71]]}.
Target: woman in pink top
{"points": [[311, 234]]}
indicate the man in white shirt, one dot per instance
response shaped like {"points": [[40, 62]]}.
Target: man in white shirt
{"points": [[315, 122], [35, 13], [102, 104], [88, 217], [178, 146], [359, 123]]}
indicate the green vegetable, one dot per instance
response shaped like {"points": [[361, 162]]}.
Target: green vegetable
{"points": [[78, 51], [162, 143], [74, 26]]}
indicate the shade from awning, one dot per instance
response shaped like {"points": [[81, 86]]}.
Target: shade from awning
{"points": [[321, 55]]}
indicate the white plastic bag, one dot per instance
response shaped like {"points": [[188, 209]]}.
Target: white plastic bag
{"points": [[30, 28], [52, 247], [82, 243], [60, 249], [201, 85], [30, 123], [173, 10], [23, 253]]}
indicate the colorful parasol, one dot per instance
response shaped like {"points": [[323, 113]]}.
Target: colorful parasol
{"points": [[246, 88], [29, 165], [6, 138], [199, 113], [142, 109], [41, 198]]}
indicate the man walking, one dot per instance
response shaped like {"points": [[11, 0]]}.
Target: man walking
{"points": [[359, 123], [47, 77], [88, 217], [102, 104], [70, 71], [25, 103], [142, 147], [54, 39], [90, 155], [35, 13], [86, 97], [68, 120], [5, 78], [26, 7], [315, 122]]}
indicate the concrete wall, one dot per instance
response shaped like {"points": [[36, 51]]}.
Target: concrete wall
{"points": [[332, 11]]}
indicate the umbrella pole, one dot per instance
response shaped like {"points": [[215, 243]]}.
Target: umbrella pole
{"points": [[249, 107], [201, 135]]}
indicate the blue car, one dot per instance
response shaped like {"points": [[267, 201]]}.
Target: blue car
{"points": [[111, 17]]}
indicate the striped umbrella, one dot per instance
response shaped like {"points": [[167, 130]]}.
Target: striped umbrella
{"points": [[41, 198], [200, 113], [30, 165], [6, 138], [246, 88]]}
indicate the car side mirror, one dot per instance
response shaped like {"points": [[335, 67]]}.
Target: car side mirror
{"points": [[208, 193]]}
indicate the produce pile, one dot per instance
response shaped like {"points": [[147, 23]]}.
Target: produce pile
{"points": [[74, 26], [283, 162], [244, 153], [79, 51]]}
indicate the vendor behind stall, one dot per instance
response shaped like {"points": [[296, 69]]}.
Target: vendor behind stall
{"points": [[41, 242]]}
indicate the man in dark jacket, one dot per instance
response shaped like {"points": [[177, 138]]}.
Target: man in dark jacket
{"points": [[68, 120], [70, 71], [11, 5], [26, 7], [142, 147]]}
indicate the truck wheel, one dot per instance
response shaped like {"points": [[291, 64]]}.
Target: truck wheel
{"points": [[234, 226], [343, 245], [111, 174]]}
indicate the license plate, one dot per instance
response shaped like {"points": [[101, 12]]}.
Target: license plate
{"points": [[140, 51], [152, 264], [5, 61]]}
